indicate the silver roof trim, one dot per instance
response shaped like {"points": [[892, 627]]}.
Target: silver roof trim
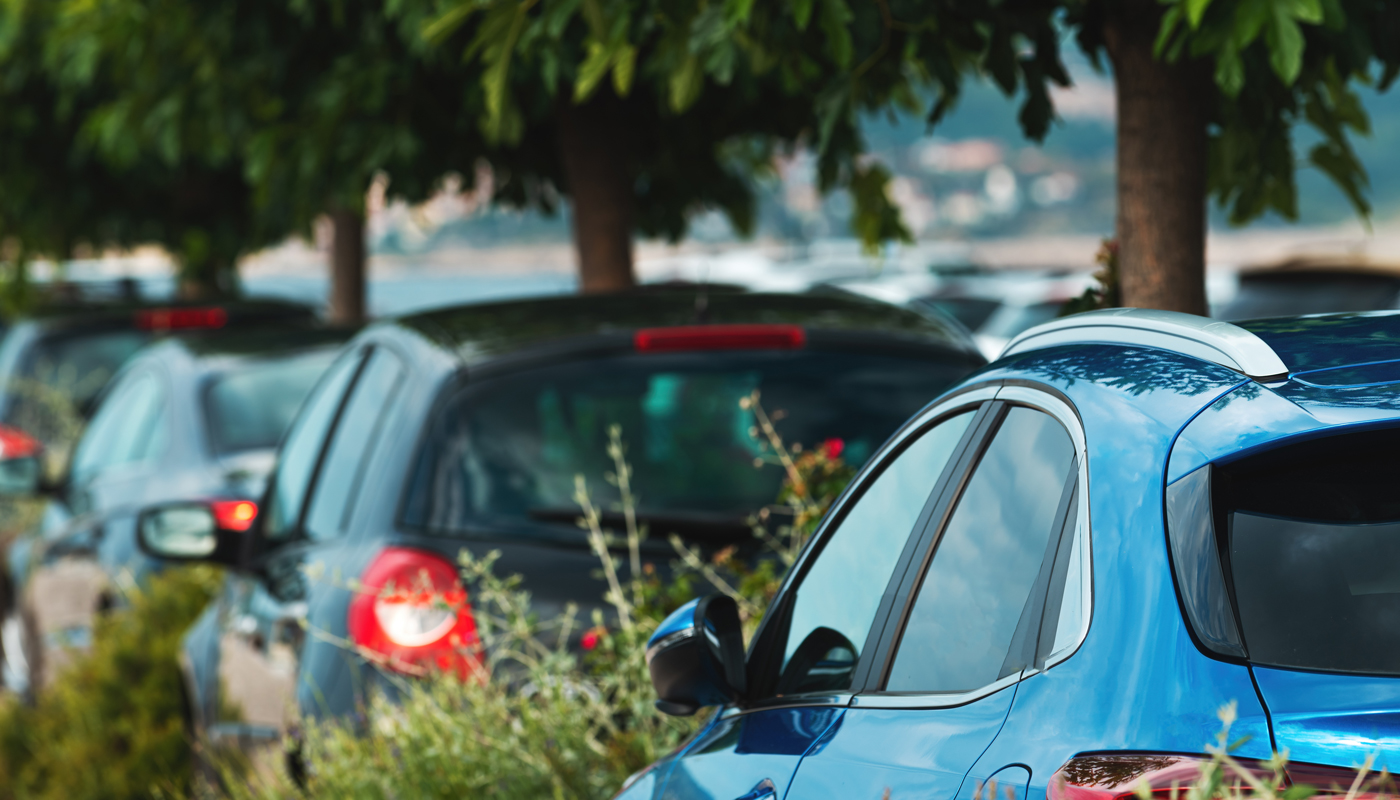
{"points": [[1218, 342]]}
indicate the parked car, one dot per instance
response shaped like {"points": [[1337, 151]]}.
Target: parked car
{"points": [[994, 304], [465, 428], [1056, 575], [1313, 285], [56, 361], [198, 415]]}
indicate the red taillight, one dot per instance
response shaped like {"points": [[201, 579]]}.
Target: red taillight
{"points": [[234, 515], [413, 613], [1117, 777], [15, 444], [720, 337], [171, 319]]}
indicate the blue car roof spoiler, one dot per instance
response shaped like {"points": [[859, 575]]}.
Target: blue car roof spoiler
{"points": [[1201, 337]]}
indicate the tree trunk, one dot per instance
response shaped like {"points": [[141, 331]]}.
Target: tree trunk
{"points": [[1161, 164], [592, 144], [347, 301]]}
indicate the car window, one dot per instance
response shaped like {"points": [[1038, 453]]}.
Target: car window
{"points": [[975, 618], [354, 439], [509, 448], [250, 405], [131, 426], [1311, 548], [300, 452], [830, 611]]}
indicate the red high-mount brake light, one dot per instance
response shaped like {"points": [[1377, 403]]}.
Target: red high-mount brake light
{"points": [[16, 444], [720, 337], [234, 515], [173, 319], [412, 613], [1117, 776]]}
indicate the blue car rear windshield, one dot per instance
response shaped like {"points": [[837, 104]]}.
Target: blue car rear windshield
{"points": [[250, 405], [509, 448], [1314, 552]]}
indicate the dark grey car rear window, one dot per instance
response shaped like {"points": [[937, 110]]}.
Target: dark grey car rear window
{"points": [[509, 448], [1308, 536]]}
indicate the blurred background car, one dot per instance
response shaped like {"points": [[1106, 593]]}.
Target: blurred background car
{"points": [[197, 415], [55, 361], [994, 305], [1312, 285], [466, 428]]}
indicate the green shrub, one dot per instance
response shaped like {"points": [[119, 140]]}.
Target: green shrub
{"points": [[539, 720], [111, 723]]}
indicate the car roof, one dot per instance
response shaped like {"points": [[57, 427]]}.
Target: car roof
{"points": [[1114, 385], [476, 333], [217, 350], [1330, 340], [76, 318]]}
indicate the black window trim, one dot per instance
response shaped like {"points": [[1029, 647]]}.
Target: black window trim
{"points": [[297, 531], [762, 649], [1058, 407]]}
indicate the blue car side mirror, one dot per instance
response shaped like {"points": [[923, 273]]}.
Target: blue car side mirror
{"points": [[696, 656]]}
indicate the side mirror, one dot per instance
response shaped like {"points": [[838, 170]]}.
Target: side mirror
{"points": [[20, 467], [696, 657], [216, 531]]}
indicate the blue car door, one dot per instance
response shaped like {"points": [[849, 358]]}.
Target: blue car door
{"points": [[967, 627], [816, 637]]}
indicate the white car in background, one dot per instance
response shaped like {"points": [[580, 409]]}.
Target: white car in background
{"points": [[994, 305]]}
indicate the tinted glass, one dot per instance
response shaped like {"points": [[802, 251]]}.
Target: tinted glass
{"points": [[355, 435], [130, 427], [977, 593], [297, 459], [249, 406], [834, 605], [54, 382], [1314, 551], [512, 446]]}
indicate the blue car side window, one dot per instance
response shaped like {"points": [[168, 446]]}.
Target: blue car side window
{"points": [[977, 614], [833, 607]]}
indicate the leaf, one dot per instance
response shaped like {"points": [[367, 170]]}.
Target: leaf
{"points": [[1339, 163], [876, 219], [1285, 41], [835, 21], [1195, 12], [1229, 72], [592, 71], [444, 26], [1309, 11], [736, 12], [802, 13], [685, 84], [1170, 20], [624, 69]]}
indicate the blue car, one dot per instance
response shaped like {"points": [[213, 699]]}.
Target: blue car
{"points": [[1058, 574]]}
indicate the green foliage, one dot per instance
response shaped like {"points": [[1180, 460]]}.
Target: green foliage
{"points": [[1107, 293], [539, 718], [111, 723], [1277, 64], [703, 81]]}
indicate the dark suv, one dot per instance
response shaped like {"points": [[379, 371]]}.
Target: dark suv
{"points": [[465, 428]]}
